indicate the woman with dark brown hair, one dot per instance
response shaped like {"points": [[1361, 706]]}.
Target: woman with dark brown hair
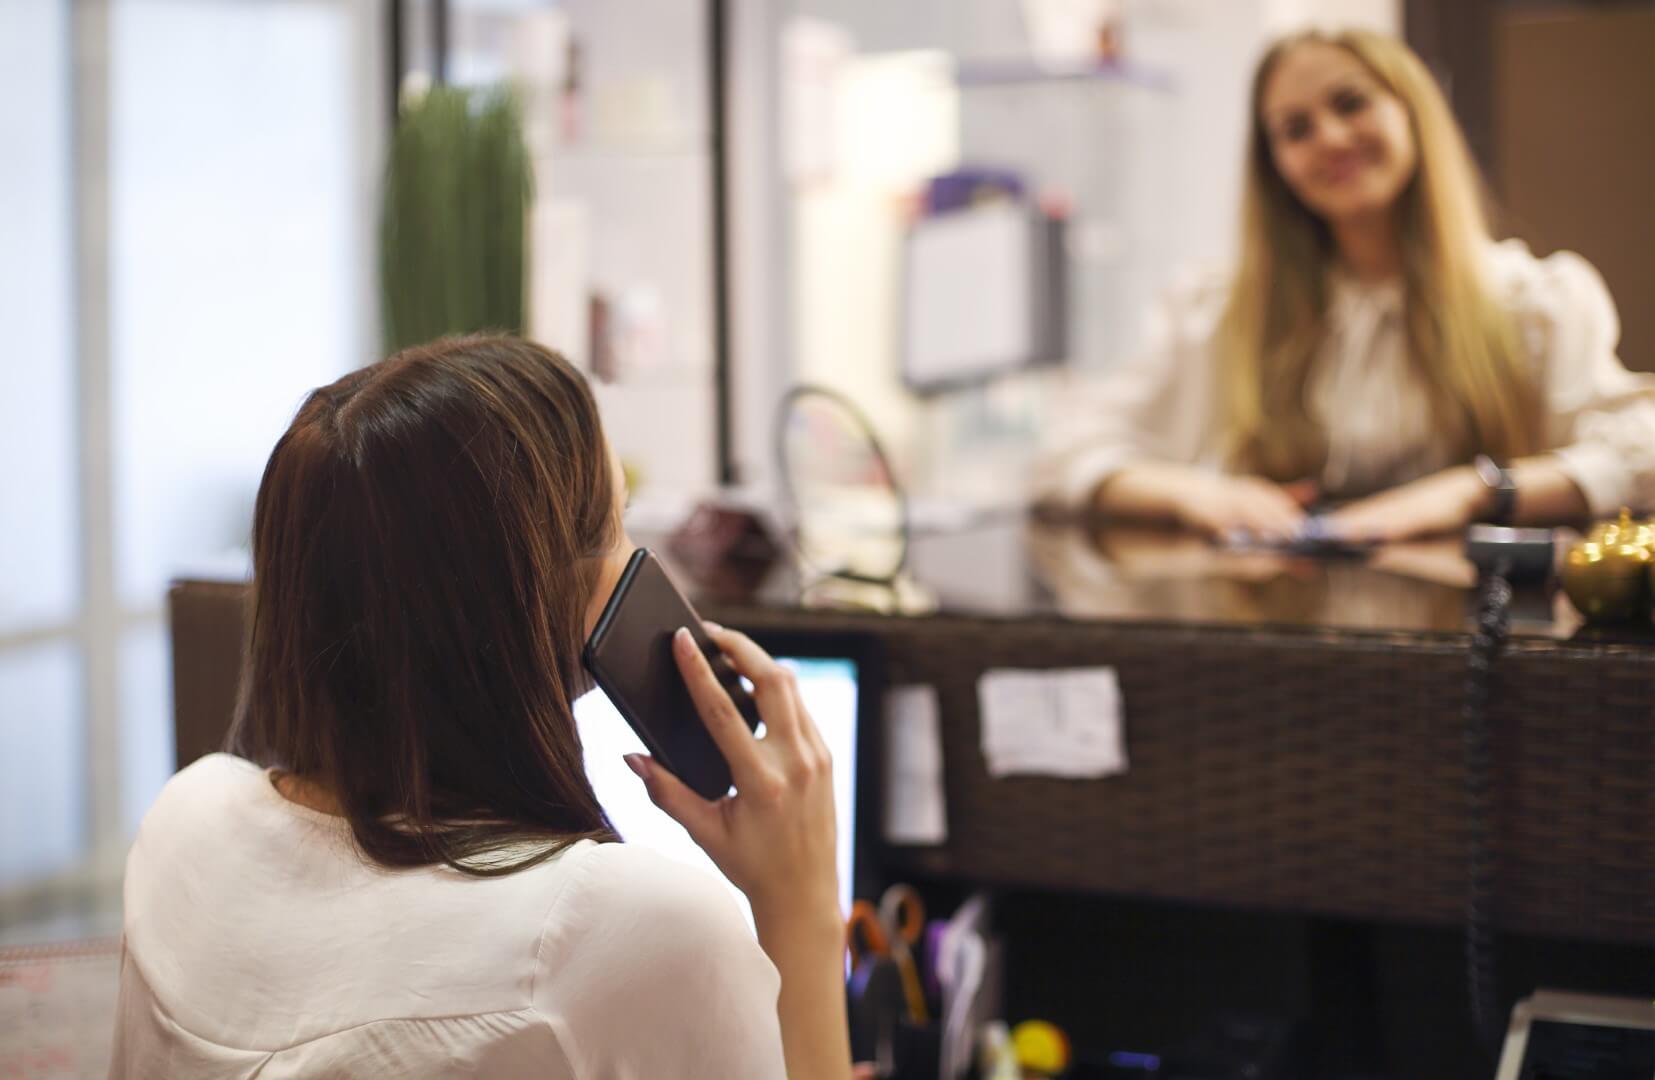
{"points": [[402, 869]]}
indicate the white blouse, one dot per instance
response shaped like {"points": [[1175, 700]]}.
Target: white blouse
{"points": [[1599, 422], [259, 943]]}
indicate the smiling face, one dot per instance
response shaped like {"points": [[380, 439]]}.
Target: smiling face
{"points": [[1342, 142]]}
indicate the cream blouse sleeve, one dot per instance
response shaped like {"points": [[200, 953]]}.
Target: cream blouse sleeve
{"points": [[1600, 421], [647, 969], [1157, 407]]}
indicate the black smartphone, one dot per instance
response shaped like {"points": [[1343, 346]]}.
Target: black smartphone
{"points": [[630, 656]]}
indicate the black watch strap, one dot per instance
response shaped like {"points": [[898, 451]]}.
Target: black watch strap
{"points": [[1502, 488]]}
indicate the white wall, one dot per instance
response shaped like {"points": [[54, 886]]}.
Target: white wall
{"points": [[1285, 16], [1180, 167], [624, 210]]}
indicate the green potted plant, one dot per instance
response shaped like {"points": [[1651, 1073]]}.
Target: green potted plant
{"points": [[457, 191]]}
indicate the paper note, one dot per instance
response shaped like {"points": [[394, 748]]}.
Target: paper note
{"points": [[915, 811], [1052, 723]]}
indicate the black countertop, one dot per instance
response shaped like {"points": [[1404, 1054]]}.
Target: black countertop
{"points": [[1018, 567]]}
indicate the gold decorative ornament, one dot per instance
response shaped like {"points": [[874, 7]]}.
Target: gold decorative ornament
{"points": [[1607, 575]]}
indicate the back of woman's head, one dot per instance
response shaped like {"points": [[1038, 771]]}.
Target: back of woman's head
{"points": [[424, 543], [1460, 340]]}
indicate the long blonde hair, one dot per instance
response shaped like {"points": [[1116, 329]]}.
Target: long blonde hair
{"points": [[1461, 342]]}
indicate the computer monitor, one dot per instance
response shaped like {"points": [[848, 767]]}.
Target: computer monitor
{"points": [[984, 294], [1563, 1036], [838, 682]]}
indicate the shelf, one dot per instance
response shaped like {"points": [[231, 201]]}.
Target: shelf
{"points": [[972, 74], [589, 152]]}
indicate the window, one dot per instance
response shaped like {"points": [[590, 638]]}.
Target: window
{"points": [[226, 186]]}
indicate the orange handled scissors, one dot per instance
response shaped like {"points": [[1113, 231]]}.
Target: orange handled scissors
{"points": [[892, 929]]}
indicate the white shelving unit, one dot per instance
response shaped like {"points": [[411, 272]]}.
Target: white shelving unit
{"points": [[623, 176]]}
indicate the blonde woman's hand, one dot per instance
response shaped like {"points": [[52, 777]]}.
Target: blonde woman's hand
{"points": [[1218, 505]]}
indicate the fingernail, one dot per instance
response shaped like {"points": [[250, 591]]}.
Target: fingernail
{"points": [[639, 764], [682, 641], [712, 627]]}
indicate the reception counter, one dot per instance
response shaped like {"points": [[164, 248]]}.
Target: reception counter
{"points": [[1294, 727]]}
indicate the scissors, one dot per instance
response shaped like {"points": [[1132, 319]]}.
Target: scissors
{"points": [[892, 930]]}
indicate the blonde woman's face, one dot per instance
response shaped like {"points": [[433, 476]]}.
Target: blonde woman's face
{"points": [[1341, 141]]}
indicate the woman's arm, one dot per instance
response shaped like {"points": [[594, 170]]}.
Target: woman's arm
{"points": [[808, 948], [775, 839], [1142, 443], [1454, 498], [1156, 407], [1600, 420], [1600, 417], [1546, 493], [1202, 499]]}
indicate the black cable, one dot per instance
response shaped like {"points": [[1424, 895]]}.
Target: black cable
{"points": [[1493, 627], [718, 88], [440, 21], [394, 61], [794, 498]]}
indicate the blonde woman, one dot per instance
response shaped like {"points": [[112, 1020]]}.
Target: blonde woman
{"points": [[1374, 345]]}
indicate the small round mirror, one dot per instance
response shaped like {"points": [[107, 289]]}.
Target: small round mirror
{"points": [[850, 516]]}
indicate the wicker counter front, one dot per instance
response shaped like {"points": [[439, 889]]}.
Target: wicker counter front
{"points": [[1307, 771]]}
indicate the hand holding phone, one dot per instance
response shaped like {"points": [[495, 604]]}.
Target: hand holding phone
{"points": [[630, 655], [681, 689], [775, 839]]}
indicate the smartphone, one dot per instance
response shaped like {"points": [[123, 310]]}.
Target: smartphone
{"points": [[630, 656], [1315, 538]]}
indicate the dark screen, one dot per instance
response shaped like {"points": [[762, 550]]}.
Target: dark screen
{"points": [[1561, 1051]]}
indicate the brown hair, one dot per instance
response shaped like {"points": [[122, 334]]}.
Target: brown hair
{"points": [[423, 548], [1460, 341]]}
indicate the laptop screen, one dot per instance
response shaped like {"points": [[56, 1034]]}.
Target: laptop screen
{"points": [[1563, 1035], [830, 687], [1563, 1051]]}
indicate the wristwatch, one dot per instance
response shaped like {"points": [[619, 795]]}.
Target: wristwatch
{"points": [[1502, 489]]}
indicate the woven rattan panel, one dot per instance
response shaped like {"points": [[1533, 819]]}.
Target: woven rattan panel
{"points": [[1310, 772]]}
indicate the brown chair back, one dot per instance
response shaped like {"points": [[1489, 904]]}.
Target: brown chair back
{"points": [[208, 624]]}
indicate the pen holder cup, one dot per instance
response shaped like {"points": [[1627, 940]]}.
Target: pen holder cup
{"points": [[916, 1050]]}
